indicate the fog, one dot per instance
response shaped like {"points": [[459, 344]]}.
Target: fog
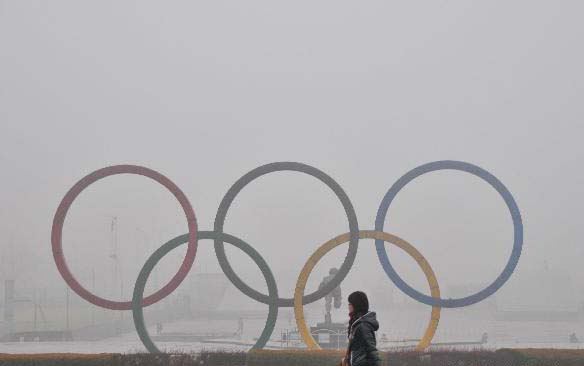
{"points": [[204, 92]]}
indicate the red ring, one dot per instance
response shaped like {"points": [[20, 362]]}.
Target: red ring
{"points": [[57, 233]]}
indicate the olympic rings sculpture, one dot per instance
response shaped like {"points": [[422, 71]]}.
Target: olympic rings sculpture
{"points": [[272, 299]]}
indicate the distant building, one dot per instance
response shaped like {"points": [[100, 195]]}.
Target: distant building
{"points": [[542, 296]]}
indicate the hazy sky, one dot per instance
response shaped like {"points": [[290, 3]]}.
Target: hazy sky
{"points": [[205, 91]]}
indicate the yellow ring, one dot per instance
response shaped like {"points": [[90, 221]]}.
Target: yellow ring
{"points": [[365, 234]]}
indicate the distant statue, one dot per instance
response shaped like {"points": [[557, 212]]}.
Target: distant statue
{"points": [[158, 328], [574, 338], [239, 331], [335, 295]]}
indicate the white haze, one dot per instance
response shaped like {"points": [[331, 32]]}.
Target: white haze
{"points": [[205, 91]]}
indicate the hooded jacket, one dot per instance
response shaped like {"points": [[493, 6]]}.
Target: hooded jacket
{"points": [[362, 348]]}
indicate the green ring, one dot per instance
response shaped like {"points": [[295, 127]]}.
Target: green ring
{"points": [[138, 295]]}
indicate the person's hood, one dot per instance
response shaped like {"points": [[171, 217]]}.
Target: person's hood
{"points": [[370, 318]]}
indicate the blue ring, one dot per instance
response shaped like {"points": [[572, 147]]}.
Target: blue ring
{"points": [[517, 233]]}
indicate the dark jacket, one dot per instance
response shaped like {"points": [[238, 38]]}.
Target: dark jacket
{"points": [[362, 348]]}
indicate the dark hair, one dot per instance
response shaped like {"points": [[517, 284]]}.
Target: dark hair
{"points": [[359, 301]]}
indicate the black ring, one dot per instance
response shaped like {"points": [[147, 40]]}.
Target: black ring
{"points": [[296, 167]]}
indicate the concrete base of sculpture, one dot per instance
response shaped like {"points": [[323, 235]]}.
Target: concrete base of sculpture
{"points": [[330, 335]]}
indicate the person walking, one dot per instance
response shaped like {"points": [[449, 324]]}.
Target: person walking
{"points": [[362, 345]]}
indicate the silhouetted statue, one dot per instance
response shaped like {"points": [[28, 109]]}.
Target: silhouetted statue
{"points": [[333, 295]]}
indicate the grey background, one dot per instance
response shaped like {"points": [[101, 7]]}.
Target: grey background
{"points": [[206, 91]]}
